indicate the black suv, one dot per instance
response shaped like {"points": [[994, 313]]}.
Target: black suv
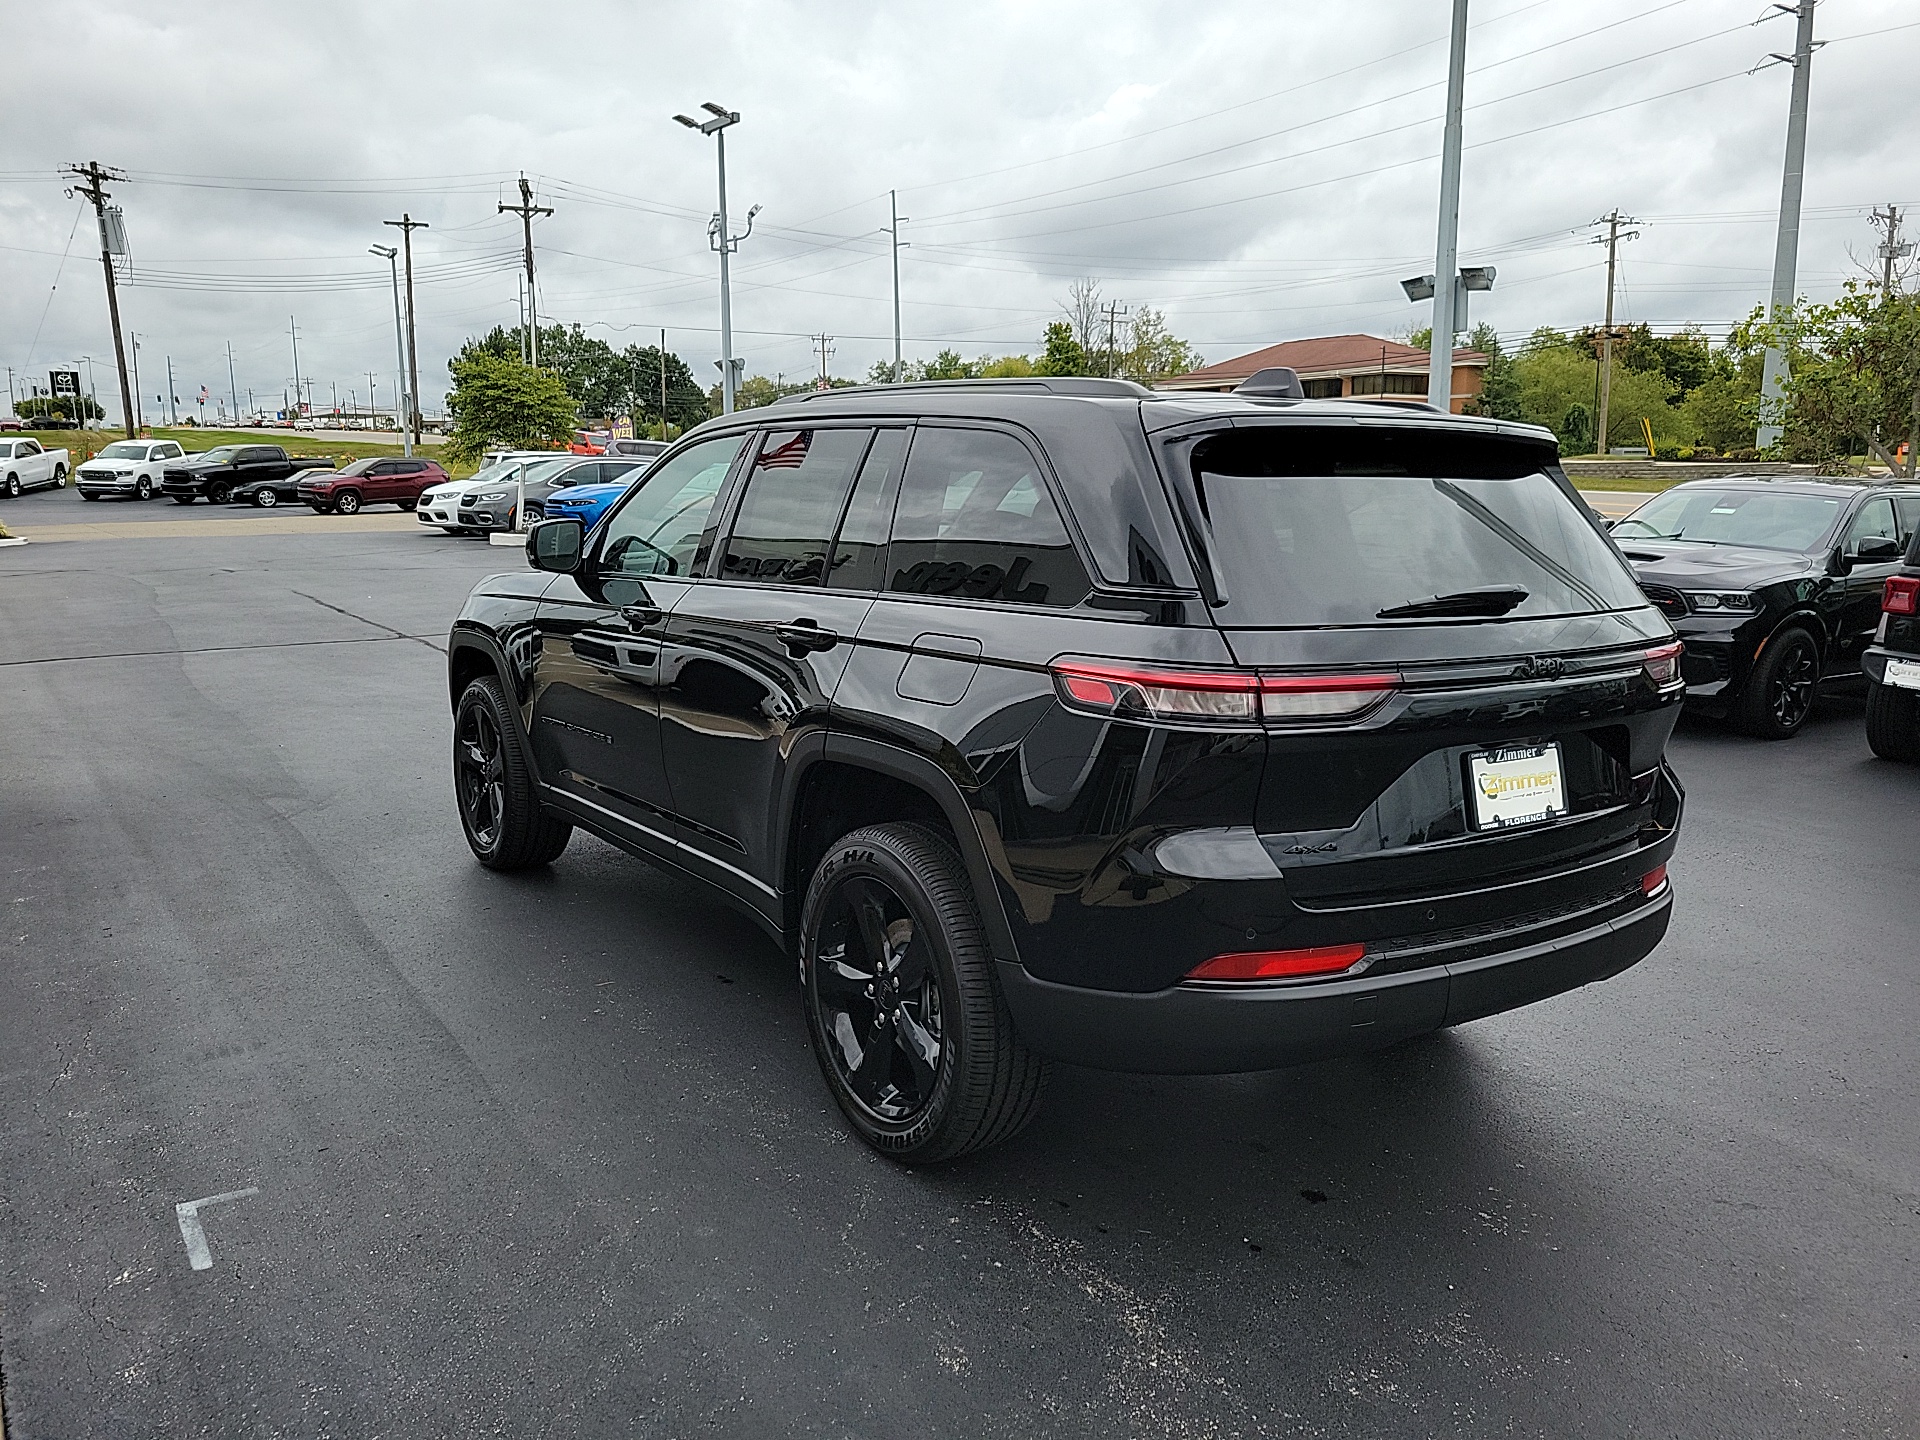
{"points": [[1774, 585], [218, 472], [1892, 666], [1063, 719]]}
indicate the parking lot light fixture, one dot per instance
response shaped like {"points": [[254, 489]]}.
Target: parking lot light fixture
{"points": [[722, 239]]}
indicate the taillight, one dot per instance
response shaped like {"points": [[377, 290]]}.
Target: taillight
{"points": [[1279, 964], [1663, 665], [1654, 881], [1902, 595], [1137, 692]]}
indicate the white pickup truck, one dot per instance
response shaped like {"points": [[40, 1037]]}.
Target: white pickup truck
{"points": [[25, 466]]}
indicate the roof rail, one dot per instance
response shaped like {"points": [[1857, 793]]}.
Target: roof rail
{"points": [[1088, 385]]}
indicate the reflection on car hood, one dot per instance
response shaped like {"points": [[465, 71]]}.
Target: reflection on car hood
{"points": [[1690, 565], [588, 494], [116, 466]]}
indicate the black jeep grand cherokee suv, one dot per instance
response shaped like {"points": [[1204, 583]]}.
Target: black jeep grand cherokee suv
{"points": [[1179, 733]]}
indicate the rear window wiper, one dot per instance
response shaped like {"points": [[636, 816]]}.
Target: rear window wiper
{"points": [[1494, 600]]}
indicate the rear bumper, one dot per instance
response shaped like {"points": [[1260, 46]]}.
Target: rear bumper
{"points": [[1873, 661], [1208, 1030]]}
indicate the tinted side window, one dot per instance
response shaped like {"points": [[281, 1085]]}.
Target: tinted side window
{"points": [[975, 519], [795, 489], [1874, 521], [657, 529], [860, 552], [1907, 508]]}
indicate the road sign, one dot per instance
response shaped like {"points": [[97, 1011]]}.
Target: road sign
{"points": [[65, 382]]}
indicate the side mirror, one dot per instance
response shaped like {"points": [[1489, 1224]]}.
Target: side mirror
{"points": [[1607, 522], [1878, 547], [555, 545]]}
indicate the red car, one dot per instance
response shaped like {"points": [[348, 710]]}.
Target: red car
{"points": [[370, 482]]}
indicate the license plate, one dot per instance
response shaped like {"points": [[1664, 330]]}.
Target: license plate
{"points": [[1520, 785], [1903, 674]]}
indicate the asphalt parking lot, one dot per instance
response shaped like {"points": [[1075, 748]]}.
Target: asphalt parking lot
{"points": [[548, 1155]]}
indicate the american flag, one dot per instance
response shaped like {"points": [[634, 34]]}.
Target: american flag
{"points": [[787, 454]]}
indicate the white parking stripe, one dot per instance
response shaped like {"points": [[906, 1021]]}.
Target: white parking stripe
{"points": [[191, 1231]]}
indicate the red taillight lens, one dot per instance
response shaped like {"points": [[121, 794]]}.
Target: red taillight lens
{"points": [[1322, 697], [1279, 964], [1160, 694], [1653, 881], [1663, 665], [1233, 695], [1902, 595]]}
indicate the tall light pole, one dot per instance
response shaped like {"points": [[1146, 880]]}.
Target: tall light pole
{"points": [[233, 385], [391, 254], [406, 225], [721, 237], [1786, 248], [893, 229], [1447, 246]]}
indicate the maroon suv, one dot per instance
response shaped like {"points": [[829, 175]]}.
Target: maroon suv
{"points": [[370, 482]]}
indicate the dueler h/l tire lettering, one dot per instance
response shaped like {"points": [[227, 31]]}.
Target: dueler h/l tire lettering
{"points": [[500, 812], [903, 1005]]}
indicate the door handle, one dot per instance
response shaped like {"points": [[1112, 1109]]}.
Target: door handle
{"points": [[639, 617], [803, 636]]}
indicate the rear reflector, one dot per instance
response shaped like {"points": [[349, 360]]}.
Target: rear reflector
{"points": [[1663, 665], [1279, 964], [1234, 695], [1654, 880], [1902, 595]]}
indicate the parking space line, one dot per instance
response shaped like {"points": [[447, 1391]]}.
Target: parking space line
{"points": [[191, 1230]]}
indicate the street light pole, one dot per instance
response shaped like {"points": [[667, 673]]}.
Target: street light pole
{"points": [[1447, 246], [723, 239], [1786, 249], [893, 229], [406, 224], [391, 255]]}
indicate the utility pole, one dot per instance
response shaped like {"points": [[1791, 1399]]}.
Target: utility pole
{"points": [[295, 334], [663, 383], [1447, 244], [139, 404], [92, 398], [391, 255], [1611, 240], [233, 386], [173, 417], [1893, 248], [1114, 311], [406, 224], [893, 229], [112, 238], [1786, 250], [824, 344], [526, 210], [373, 403]]}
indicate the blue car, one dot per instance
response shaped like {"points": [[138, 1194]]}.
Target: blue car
{"points": [[585, 502]]}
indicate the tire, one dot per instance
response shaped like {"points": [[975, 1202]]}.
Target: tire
{"points": [[266, 499], [1893, 723], [408, 504], [219, 494], [13, 487], [347, 502], [1779, 693], [183, 499], [983, 1085], [500, 812], [88, 495], [318, 509], [143, 489], [60, 477]]}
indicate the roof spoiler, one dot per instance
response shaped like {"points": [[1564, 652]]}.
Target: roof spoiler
{"points": [[1277, 382]]}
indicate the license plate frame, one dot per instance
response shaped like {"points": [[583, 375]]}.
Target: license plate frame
{"points": [[1903, 674], [1512, 787]]}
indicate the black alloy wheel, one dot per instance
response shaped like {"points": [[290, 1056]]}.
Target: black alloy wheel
{"points": [[1780, 692], [908, 1023], [347, 502], [266, 497], [143, 489], [218, 494], [506, 826]]}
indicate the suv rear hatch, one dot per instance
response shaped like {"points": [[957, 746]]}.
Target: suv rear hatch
{"points": [[1465, 693]]}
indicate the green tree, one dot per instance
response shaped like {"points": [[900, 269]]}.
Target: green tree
{"points": [[599, 379], [1722, 411], [1853, 376], [67, 407], [1064, 355], [501, 401], [1684, 361], [1554, 375], [1154, 352], [1499, 394], [686, 403]]}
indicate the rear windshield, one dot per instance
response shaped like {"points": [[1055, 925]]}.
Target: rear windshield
{"points": [[1769, 519], [1371, 527]]}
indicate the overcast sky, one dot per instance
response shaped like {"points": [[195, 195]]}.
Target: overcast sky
{"points": [[1259, 171]]}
